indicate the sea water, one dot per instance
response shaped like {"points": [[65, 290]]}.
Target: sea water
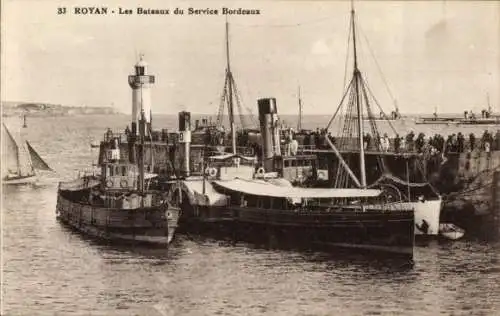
{"points": [[50, 270]]}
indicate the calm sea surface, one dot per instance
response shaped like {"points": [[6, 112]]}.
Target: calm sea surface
{"points": [[50, 270]]}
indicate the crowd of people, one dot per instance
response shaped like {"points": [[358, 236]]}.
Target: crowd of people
{"points": [[455, 143], [411, 142]]}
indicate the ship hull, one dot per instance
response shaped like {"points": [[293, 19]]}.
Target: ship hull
{"points": [[173, 214], [20, 180], [137, 226], [427, 214], [389, 232]]}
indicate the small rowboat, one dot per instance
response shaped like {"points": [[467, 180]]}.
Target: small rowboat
{"points": [[451, 231]]}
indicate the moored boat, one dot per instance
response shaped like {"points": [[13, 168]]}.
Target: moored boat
{"points": [[451, 231], [123, 202], [237, 196], [113, 205], [414, 195], [357, 100], [253, 208]]}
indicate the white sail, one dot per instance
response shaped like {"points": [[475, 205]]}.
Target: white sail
{"points": [[10, 153], [16, 160]]}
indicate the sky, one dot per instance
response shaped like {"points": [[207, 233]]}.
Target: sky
{"points": [[442, 55]]}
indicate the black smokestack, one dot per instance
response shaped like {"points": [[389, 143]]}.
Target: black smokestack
{"points": [[268, 118], [185, 141]]}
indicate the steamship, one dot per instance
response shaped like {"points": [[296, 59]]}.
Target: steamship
{"points": [[237, 195], [302, 159], [124, 202]]}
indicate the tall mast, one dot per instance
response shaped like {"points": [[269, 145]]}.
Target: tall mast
{"points": [[488, 102], [356, 74], [230, 88], [299, 124]]}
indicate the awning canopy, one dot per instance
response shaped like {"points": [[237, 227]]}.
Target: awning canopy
{"points": [[261, 188]]}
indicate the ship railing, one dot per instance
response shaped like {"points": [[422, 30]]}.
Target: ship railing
{"points": [[155, 136], [390, 202], [87, 172], [304, 149], [350, 144], [109, 136]]}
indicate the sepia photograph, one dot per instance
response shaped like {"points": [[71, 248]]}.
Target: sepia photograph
{"points": [[288, 157]]}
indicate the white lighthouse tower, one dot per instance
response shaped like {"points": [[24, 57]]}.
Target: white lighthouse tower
{"points": [[141, 84]]}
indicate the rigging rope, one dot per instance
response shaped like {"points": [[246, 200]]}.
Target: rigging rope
{"points": [[240, 107], [220, 115], [342, 179], [376, 63], [347, 54], [224, 99], [380, 108], [340, 105], [380, 160]]}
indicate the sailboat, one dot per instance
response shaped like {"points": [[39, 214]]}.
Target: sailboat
{"points": [[19, 160]]}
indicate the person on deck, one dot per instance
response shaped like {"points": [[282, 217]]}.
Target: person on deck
{"points": [[460, 142], [486, 138], [409, 140], [497, 140], [397, 143], [380, 143], [386, 143], [368, 141], [402, 144], [454, 144], [472, 141], [419, 142]]}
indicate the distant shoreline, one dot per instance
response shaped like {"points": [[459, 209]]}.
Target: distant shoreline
{"points": [[33, 109], [41, 114], [38, 109]]}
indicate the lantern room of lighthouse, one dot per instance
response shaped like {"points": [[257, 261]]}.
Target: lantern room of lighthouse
{"points": [[141, 84]]}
